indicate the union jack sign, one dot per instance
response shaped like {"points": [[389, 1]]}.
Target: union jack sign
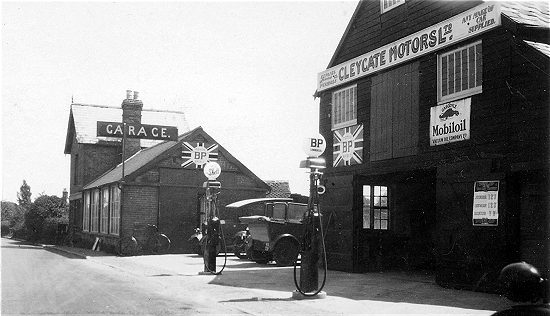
{"points": [[347, 146], [198, 155]]}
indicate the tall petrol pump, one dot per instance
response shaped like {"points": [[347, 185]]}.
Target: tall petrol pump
{"points": [[213, 228], [313, 246]]}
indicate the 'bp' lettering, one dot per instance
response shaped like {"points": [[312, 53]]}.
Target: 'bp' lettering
{"points": [[200, 155], [316, 142]]}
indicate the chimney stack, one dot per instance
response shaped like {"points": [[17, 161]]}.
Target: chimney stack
{"points": [[65, 196], [131, 115]]}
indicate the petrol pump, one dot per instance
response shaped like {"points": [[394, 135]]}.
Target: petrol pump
{"points": [[313, 246], [213, 227]]}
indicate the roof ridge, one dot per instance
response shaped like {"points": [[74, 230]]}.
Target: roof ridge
{"points": [[115, 107], [95, 105]]}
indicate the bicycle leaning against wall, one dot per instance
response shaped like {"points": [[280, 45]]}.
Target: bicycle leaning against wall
{"points": [[154, 242]]}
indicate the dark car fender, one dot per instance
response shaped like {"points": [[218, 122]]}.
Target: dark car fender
{"points": [[281, 237]]}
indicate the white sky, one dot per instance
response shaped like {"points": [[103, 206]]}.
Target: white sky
{"points": [[244, 71]]}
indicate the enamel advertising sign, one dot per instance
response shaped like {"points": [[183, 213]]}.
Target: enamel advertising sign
{"points": [[347, 146], [199, 154], [485, 210], [450, 122], [470, 23]]}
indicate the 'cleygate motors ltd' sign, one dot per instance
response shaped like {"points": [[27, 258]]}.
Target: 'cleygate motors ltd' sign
{"points": [[142, 131], [470, 23]]}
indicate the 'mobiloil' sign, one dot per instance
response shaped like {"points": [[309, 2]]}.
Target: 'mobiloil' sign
{"points": [[142, 131]]}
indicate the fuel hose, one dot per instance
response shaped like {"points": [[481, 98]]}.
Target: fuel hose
{"points": [[324, 262], [225, 256]]}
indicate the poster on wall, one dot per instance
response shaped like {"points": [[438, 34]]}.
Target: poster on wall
{"points": [[347, 146], [198, 155], [450, 122], [485, 211]]}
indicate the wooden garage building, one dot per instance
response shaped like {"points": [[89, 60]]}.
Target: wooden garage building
{"points": [[436, 120]]}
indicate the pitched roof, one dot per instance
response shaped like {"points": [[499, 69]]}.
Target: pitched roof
{"points": [[132, 164], [140, 161], [279, 188], [534, 13], [530, 14], [541, 47], [83, 121]]}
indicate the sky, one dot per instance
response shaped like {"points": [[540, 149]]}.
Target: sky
{"points": [[244, 71]]}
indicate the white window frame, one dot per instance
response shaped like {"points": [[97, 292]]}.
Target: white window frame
{"points": [[86, 212], [114, 218], [104, 214], [94, 206], [344, 107], [390, 4], [373, 215], [478, 74]]}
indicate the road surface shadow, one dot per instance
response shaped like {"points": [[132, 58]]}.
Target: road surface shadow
{"points": [[386, 287]]}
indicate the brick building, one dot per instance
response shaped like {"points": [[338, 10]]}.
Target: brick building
{"points": [[436, 120], [162, 185]]}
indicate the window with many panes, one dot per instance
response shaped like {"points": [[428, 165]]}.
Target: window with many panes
{"points": [[104, 223], [376, 211], [86, 212], [344, 107], [115, 211], [94, 206], [387, 5], [460, 73]]}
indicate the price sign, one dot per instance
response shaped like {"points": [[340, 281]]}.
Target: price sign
{"points": [[485, 208]]}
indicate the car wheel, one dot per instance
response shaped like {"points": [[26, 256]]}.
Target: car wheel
{"points": [[257, 256], [285, 253]]}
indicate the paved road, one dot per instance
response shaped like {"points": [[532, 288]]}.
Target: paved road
{"points": [[54, 281], [38, 281]]}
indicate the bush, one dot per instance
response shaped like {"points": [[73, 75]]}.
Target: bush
{"points": [[43, 218], [5, 228]]}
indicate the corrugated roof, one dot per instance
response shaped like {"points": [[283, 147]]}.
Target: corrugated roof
{"points": [[86, 116], [541, 47], [535, 13]]}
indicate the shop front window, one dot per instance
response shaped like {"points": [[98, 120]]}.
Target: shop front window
{"points": [[103, 228], [86, 212], [376, 211], [95, 211], [115, 211]]}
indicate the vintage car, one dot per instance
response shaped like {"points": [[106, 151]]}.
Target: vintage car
{"points": [[235, 232], [276, 235]]}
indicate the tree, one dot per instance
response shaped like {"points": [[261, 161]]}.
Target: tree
{"points": [[24, 195], [46, 209], [13, 217]]}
